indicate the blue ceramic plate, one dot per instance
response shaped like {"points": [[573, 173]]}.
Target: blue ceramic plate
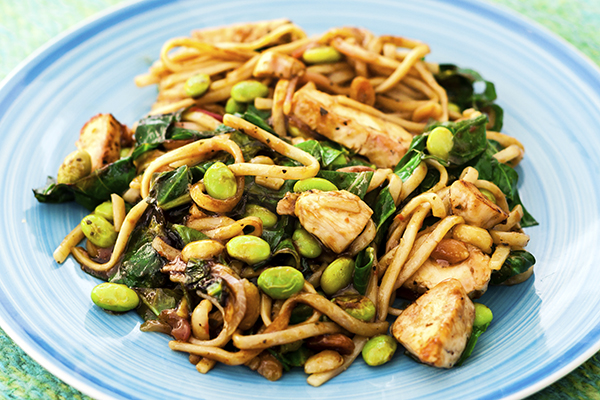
{"points": [[542, 329]]}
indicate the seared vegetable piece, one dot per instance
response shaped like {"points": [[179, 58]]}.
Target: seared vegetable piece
{"points": [[101, 138], [76, 166], [277, 65], [382, 142], [436, 327], [379, 350], [518, 262], [280, 282], [336, 217], [468, 202], [115, 297], [473, 272]]}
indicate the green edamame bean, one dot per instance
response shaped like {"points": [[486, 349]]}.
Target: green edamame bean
{"points": [[379, 350], [115, 297], [219, 181], [232, 106], [105, 210], [439, 142], [247, 91], [268, 218], [197, 85], [489, 195], [98, 230], [360, 307], [314, 183], [281, 282], [453, 107], [76, 165], [249, 249], [321, 55], [337, 275], [483, 315], [306, 244]]}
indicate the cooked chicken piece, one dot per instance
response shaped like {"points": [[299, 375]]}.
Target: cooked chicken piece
{"points": [[238, 33], [436, 327], [468, 202], [473, 273], [275, 65], [382, 142], [287, 205], [335, 217], [101, 138]]}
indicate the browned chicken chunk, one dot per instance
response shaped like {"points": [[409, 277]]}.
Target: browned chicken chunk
{"points": [[473, 272], [101, 137], [238, 33], [382, 142], [275, 65], [335, 217], [468, 202], [436, 327]]}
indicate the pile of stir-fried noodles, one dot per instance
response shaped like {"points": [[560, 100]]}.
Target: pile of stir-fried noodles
{"points": [[295, 201]]}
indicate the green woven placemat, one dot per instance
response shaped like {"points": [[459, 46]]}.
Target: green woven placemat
{"points": [[25, 25]]}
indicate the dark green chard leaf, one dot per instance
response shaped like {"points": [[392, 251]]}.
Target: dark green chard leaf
{"points": [[363, 267], [141, 264], [518, 261], [354, 182], [475, 334], [287, 253], [156, 300], [503, 176], [93, 189], [413, 157], [384, 206], [283, 229], [249, 146], [188, 235], [258, 118], [198, 277], [324, 152], [171, 189], [469, 139], [460, 86], [257, 194], [154, 130]]}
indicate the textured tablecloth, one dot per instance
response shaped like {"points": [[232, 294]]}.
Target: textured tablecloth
{"points": [[26, 25]]}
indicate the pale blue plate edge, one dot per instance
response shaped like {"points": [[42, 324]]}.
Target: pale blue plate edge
{"points": [[38, 61]]}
